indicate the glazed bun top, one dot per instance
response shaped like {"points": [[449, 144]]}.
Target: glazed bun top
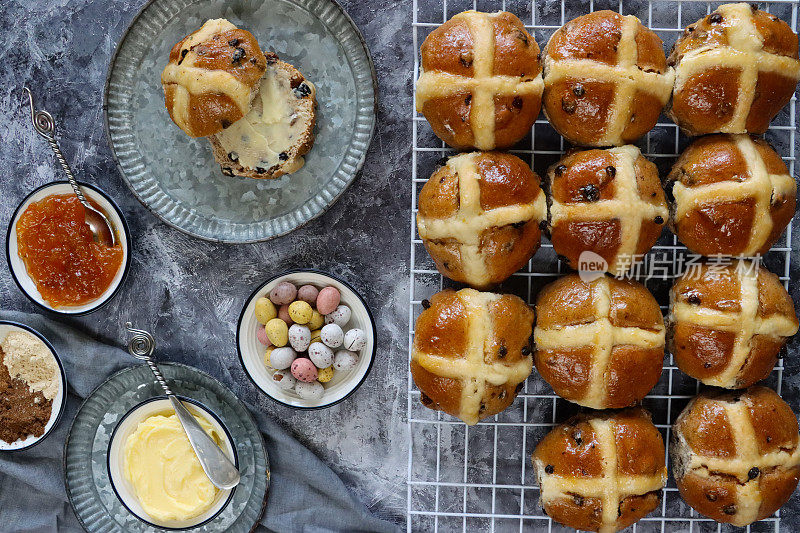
{"points": [[212, 76]]}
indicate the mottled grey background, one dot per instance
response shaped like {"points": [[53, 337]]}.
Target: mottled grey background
{"points": [[190, 292]]}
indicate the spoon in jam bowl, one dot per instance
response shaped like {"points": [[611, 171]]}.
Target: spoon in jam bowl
{"points": [[98, 223], [220, 470]]}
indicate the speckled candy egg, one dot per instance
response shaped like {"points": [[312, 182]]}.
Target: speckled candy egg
{"points": [[299, 337], [283, 314], [304, 370], [332, 335], [355, 339], [282, 358], [284, 379], [283, 293], [265, 310], [277, 332], [261, 335], [340, 316], [310, 391], [316, 335], [324, 375], [300, 312], [317, 320], [308, 293], [269, 351], [320, 355], [345, 361], [328, 300]]}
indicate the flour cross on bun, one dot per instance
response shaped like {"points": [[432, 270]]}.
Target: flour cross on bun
{"points": [[489, 227], [471, 352], [728, 322], [735, 69], [481, 81], [601, 471], [605, 79], [599, 344], [732, 195], [606, 201], [736, 457]]}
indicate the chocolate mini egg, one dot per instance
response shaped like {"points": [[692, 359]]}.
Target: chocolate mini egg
{"points": [[261, 335], [324, 375], [332, 335], [283, 314], [317, 320], [269, 351], [345, 360], [299, 337], [304, 370], [328, 300], [316, 335], [308, 293], [320, 355], [282, 358], [355, 339], [277, 332], [283, 293], [284, 379], [300, 312], [265, 310], [340, 316], [310, 391]]}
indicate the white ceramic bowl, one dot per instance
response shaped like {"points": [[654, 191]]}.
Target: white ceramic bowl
{"points": [[17, 266], [59, 402], [116, 471], [251, 352]]}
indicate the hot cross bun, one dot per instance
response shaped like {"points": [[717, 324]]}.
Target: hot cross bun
{"points": [[471, 352], [212, 76], [727, 323], [730, 195], [735, 69], [481, 82], [609, 202], [606, 79], [735, 456], [601, 471], [599, 344], [479, 217]]}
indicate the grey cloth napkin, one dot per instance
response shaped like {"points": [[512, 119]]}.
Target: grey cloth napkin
{"points": [[304, 495]]}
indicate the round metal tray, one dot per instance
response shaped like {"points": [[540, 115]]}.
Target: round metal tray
{"points": [[176, 176]]}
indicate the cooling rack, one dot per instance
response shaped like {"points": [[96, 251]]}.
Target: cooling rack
{"points": [[480, 478]]}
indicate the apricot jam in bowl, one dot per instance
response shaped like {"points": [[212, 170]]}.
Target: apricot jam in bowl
{"points": [[54, 259]]}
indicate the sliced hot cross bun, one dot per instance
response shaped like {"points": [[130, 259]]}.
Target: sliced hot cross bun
{"points": [[479, 217], [212, 76], [471, 352], [730, 195], [735, 69], [599, 344], [605, 79], [727, 323], [601, 471], [609, 202], [481, 81], [735, 456]]}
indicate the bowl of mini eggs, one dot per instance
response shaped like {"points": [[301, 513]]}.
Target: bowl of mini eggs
{"points": [[306, 339]]}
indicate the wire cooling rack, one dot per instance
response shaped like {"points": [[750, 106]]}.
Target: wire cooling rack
{"points": [[480, 478]]}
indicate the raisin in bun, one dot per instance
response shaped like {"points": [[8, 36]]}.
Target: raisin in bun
{"points": [[479, 217], [471, 352], [728, 322], [731, 195], [481, 82], [735, 69], [735, 456], [212, 77], [609, 202], [599, 344], [601, 471], [606, 79]]}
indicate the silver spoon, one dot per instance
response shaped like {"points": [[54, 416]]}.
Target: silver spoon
{"points": [[98, 223], [219, 469]]}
